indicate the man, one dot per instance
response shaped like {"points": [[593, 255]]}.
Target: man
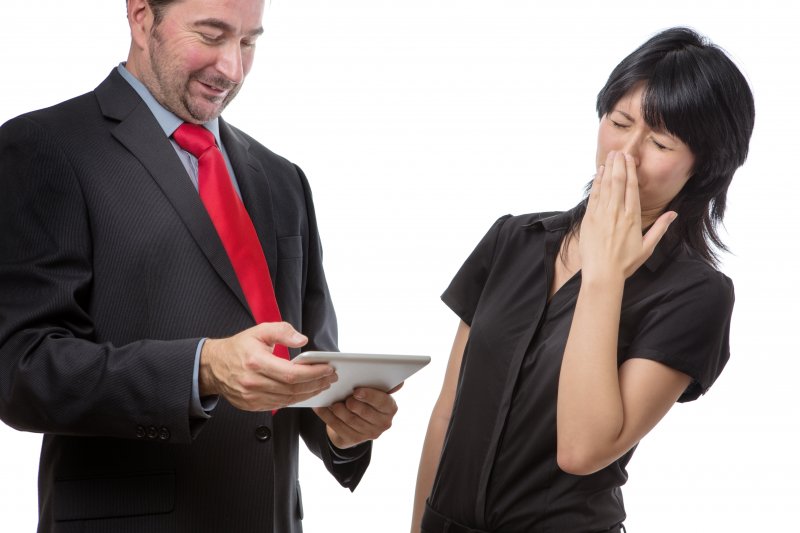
{"points": [[138, 326]]}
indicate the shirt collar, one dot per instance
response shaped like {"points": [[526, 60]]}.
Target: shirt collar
{"points": [[559, 222], [168, 121], [667, 247], [551, 221]]}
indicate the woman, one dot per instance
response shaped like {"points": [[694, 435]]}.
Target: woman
{"points": [[580, 330]]}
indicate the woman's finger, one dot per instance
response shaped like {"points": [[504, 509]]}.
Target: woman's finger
{"points": [[632, 203], [594, 193], [657, 232], [619, 176], [604, 192]]}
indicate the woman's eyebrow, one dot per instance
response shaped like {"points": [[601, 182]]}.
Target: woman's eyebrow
{"points": [[624, 114]]}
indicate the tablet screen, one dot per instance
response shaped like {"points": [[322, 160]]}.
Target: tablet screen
{"points": [[376, 371]]}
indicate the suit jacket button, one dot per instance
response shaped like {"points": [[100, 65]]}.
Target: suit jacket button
{"points": [[263, 433], [140, 432], [152, 432], [163, 433]]}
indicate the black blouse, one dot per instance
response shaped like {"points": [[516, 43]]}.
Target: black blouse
{"points": [[498, 469]]}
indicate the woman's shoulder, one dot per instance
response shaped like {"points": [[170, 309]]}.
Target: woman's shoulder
{"points": [[689, 272], [550, 220], [516, 237], [692, 264]]}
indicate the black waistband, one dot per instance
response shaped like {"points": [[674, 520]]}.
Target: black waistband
{"points": [[433, 522]]}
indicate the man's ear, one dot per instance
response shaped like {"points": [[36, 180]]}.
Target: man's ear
{"points": [[140, 20]]}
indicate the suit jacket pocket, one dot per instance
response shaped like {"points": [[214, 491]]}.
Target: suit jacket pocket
{"points": [[80, 499], [288, 280], [290, 247]]}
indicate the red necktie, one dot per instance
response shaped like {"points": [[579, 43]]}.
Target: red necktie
{"points": [[232, 223]]}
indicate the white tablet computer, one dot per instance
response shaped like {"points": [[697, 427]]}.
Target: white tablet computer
{"points": [[376, 371]]}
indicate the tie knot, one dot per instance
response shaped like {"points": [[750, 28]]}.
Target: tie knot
{"points": [[193, 138]]}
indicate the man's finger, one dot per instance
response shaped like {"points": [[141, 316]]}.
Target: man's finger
{"points": [[357, 416], [378, 400], [346, 433], [314, 386], [290, 373], [273, 333], [397, 388]]}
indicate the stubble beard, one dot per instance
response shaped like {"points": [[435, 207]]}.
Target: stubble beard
{"points": [[172, 92]]}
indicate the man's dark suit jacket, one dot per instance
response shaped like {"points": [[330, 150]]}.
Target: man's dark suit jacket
{"points": [[110, 273]]}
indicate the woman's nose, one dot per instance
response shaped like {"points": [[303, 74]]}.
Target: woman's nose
{"points": [[631, 146]]}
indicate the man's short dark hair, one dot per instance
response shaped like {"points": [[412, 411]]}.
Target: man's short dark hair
{"points": [[158, 7]]}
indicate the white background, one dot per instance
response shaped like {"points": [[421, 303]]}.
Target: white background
{"points": [[419, 123]]}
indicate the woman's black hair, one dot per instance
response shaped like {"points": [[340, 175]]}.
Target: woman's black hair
{"points": [[695, 92]]}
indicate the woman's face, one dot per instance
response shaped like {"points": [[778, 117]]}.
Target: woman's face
{"points": [[663, 162]]}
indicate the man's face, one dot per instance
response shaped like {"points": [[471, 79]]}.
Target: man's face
{"points": [[196, 59]]}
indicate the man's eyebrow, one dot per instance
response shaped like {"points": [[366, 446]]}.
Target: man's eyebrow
{"points": [[225, 27]]}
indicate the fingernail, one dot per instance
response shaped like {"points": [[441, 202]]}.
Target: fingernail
{"points": [[359, 394]]}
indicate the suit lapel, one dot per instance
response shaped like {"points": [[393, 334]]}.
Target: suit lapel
{"points": [[140, 133], [256, 193]]}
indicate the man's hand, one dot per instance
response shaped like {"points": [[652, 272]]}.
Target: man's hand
{"points": [[245, 372], [363, 416]]}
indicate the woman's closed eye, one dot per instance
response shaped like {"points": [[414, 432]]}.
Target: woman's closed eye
{"points": [[661, 144]]}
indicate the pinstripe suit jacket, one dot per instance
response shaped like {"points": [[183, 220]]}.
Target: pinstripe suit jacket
{"points": [[110, 272]]}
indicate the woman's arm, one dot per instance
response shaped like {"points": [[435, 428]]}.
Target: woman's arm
{"points": [[437, 426], [603, 411]]}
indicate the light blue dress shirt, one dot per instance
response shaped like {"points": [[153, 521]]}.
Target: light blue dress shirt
{"points": [[201, 408], [169, 122]]}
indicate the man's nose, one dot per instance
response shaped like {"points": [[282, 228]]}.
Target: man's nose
{"points": [[229, 62]]}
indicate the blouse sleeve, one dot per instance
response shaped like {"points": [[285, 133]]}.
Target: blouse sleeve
{"points": [[689, 330], [464, 292]]}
